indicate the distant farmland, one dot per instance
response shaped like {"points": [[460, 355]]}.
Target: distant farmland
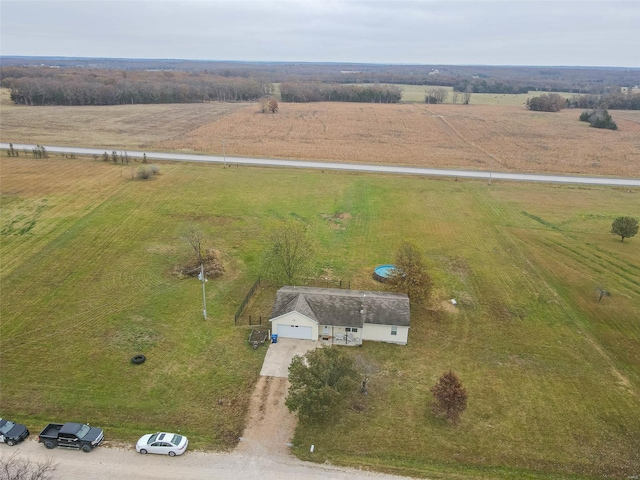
{"points": [[480, 137], [416, 94]]}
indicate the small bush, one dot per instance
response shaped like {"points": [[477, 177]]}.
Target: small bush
{"points": [[155, 169], [599, 118], [144, 173]]}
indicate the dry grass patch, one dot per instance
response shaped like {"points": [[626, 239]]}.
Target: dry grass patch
{"points": [[110, 127], [496, 138]]}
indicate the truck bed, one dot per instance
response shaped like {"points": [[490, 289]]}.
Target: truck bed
{"points": [[51, 430]]}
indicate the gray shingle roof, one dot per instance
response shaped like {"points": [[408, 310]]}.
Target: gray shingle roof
{"points": [[345, 308]]}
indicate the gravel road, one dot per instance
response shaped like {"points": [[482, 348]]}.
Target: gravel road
{"points": [[116, 463], [262, 453]]}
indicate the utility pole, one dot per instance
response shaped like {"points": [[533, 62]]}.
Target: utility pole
{"points": [[204, 297], [224, 155]]}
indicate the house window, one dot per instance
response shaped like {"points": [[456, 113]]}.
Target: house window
{"points": [[394, 330], [354, 329], [348, 329]]}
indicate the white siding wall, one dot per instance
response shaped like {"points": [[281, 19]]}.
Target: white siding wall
{"points": [[382, 333], [295, 318]]}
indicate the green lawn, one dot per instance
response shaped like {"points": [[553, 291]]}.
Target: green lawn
{"points": [[553, 376], [416, 94]]}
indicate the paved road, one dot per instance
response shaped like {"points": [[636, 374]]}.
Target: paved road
{"points": [[183, 157]]}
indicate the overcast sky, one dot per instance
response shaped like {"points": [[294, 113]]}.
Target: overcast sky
{"points": [[508, 32]]}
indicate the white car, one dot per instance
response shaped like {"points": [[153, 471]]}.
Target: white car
{"points": [[163, 443]]}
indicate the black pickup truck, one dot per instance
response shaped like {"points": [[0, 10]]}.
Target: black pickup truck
{"points": [[12, 433], [71, 435]]}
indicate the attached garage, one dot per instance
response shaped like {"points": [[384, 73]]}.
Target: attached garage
{"points": [[295, 325], [295, 331]]}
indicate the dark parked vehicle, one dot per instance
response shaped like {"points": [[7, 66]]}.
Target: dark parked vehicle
{"points": [[12, 433], [71, 435]]}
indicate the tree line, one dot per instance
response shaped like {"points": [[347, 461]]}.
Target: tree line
{"points": [[552, 102], [613, 101], [300, 92], [44, 86]]}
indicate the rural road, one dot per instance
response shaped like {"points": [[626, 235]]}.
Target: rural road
{"points": [[183, 157], [262, 452], [115, 463]]}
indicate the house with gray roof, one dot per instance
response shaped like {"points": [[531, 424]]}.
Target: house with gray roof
{"points": [[344, 317]]}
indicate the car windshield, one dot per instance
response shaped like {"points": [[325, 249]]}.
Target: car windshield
{"points": [[176, 439], [153, 438], [6, 427], [83, 431]]}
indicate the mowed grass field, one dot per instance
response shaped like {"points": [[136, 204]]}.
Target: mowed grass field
{"points": [[478, 137], [553, 375], [416, 94]]}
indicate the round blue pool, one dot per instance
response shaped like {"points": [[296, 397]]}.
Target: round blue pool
{"points": [[381, 272]]}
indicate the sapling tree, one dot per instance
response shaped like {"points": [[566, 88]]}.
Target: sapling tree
{"points": [[449, 397], [602, 293]]}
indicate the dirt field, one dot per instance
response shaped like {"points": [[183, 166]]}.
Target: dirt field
{"points": [[483, 137], [109, 127]]}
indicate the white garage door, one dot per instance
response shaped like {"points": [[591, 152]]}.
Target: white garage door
{"points": [[295, 331]]}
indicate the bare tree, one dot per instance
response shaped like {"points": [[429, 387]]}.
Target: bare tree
{"points": [[367, 368], [273, 105], [436, 95], [264, 105], [290, 253], [466, 96], [454, 96], [194, 237], [16, 468]]}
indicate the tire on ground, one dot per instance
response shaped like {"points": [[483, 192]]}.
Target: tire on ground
{"points": [[138, 359]]}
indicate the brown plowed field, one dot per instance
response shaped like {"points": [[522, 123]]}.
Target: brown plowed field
{"points": [[482, 137], [457, 136]]}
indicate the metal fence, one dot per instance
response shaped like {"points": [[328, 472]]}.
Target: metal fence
{"points": [[325, 283], [261, 319], [246, 300]]}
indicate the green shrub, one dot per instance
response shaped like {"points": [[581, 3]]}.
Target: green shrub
{"points": [[599, 118]]}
